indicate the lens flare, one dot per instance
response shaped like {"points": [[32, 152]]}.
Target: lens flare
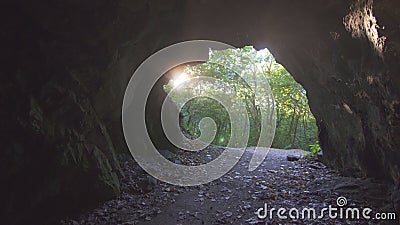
{"points": [[180, 79]]}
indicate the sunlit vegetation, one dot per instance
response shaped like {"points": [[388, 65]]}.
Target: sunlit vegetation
{"points": [[244, 75]]}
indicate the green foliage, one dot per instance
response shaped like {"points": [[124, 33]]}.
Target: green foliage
{"points": [[296, 126], [315, 148]]}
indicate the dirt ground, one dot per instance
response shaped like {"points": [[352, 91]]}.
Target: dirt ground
{"points": [[236, 197]]}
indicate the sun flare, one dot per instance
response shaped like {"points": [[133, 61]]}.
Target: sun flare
{"points": [[180, 79]]}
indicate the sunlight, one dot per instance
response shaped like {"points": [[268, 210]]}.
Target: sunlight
{"points": [[252, 86], [180, 79]]}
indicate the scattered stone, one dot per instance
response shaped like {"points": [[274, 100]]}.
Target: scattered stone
{"points": [[293, 158], [317, 166], [320, 155], [227, 213]]}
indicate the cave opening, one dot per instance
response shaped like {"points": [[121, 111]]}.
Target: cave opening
{"points": [[295, 124]]}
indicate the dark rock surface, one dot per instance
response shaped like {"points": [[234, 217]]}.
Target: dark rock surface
{"points": [[65, 66], [292, 158]]}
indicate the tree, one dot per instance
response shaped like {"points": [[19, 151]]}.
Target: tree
{"points": [[245, 73]]}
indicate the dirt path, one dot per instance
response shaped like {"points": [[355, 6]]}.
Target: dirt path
{"points": [[235, 198]]}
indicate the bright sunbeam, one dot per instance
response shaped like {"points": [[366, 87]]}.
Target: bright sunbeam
{"points": [[180, 79]]}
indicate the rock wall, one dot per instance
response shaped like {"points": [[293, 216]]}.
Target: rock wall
{"points": [[66, 65]]}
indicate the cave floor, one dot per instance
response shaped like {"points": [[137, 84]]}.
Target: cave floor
{"points": [[235, 197]]}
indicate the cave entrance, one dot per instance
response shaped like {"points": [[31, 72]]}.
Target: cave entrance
{"points": [[295, 124]]}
